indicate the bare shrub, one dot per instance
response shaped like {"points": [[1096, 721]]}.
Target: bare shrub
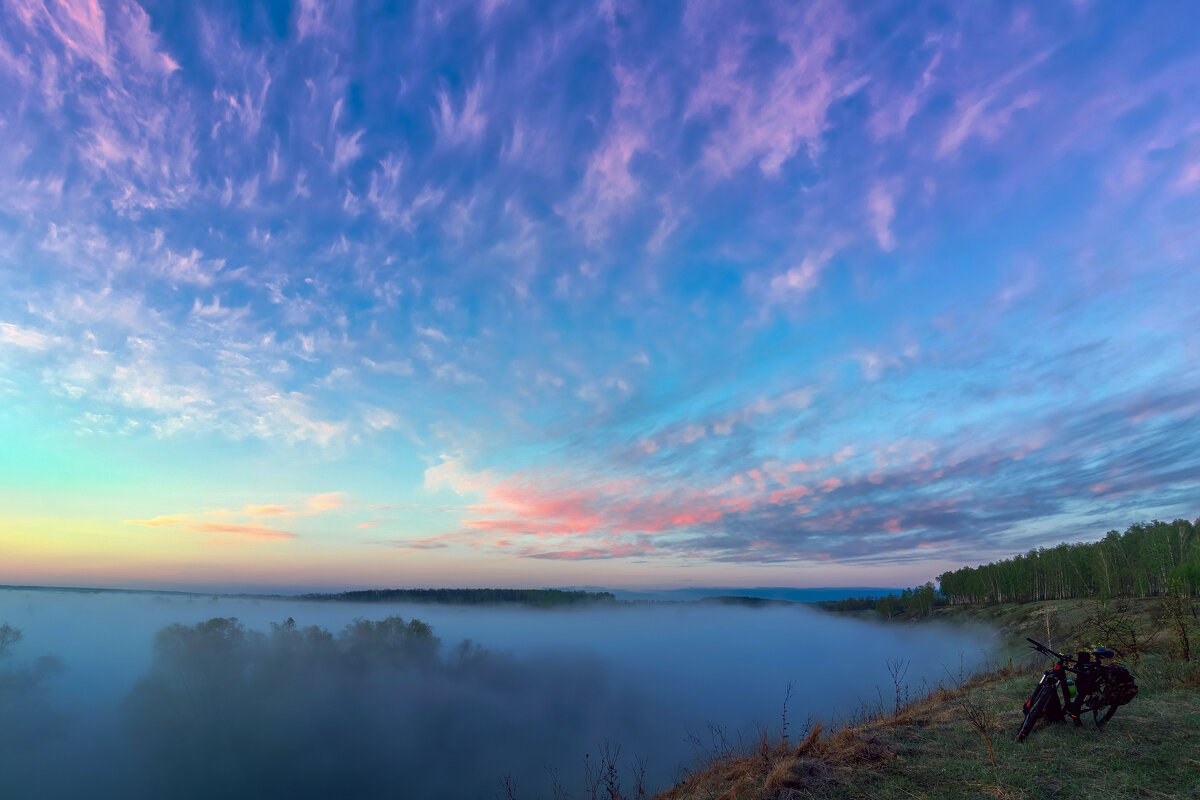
{"points": [[898, 669], [1174, 617], [982, 716]]}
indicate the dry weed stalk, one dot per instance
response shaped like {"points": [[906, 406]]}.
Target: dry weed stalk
{"points": [[898, 669], [783, 726], [812, 738], [982, 716]]}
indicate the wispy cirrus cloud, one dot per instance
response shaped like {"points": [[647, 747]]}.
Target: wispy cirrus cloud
{"points": [[609, 188], [26, 338], [773, 115], [710, 284], [139, 156], [463, 122], [881, 208], [883, 502]]}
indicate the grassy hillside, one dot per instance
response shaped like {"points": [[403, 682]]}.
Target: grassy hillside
{"points": [[932, 749]]}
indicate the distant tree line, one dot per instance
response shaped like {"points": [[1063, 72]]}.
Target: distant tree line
{"points": [[1149, 559], [918, 601], [538, 598]]}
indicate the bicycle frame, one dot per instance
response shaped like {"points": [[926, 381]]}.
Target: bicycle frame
{"points": [[1057, 677], [1088, 695]]}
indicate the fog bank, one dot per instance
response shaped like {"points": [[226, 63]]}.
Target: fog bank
{"points": [[371, 711]]}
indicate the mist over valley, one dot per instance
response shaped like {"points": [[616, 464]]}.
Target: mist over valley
{"points": [[190, 695]]}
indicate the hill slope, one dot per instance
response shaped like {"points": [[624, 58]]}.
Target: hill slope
{"points": [[1150, 749]]}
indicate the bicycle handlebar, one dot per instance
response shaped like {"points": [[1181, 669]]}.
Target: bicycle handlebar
{"points": [[1043, 649]]}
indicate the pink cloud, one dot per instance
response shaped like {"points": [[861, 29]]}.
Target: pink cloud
{"points": [[143, 44], [540, 507], [158, 522], [323, 503], [213, 523], [465, 124], [346, 150], [896, 108], [80, 26], [770, 120], [310, 19], [114, 62], [608, 185], [986, 114], [259, 531], [245, 523], [620, 550], [1189, 176], [267, 511], [789, 495], [579, 516], [793, 283], [881, 206], [609, 188]]}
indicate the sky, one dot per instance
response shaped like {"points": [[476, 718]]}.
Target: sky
{"points": [[658, 294]]}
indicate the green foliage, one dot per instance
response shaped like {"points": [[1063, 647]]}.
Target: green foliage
{"points": [[912, 603], [1114, 623], [1176, 609], [848, 604], [1141, 562], [958, 742], [888, 606]]}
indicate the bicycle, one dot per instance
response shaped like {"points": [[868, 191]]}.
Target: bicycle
{"points": [[1097, 687]]}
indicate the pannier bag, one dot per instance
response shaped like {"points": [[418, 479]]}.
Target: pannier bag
{"points": [[1118, 685]]}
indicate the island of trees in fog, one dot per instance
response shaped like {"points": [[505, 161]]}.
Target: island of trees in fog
{"points": [[380, 708]]}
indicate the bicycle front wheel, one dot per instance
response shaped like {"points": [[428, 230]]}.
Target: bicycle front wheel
{"points": [[1034, 712], [1103, 715]]}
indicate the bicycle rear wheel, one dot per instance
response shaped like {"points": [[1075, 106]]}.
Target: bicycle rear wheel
{"points": [[1034, 711]]}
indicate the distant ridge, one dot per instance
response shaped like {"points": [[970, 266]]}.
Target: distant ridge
{"points": [[790, 594], [538, 598], [102, 589]]}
